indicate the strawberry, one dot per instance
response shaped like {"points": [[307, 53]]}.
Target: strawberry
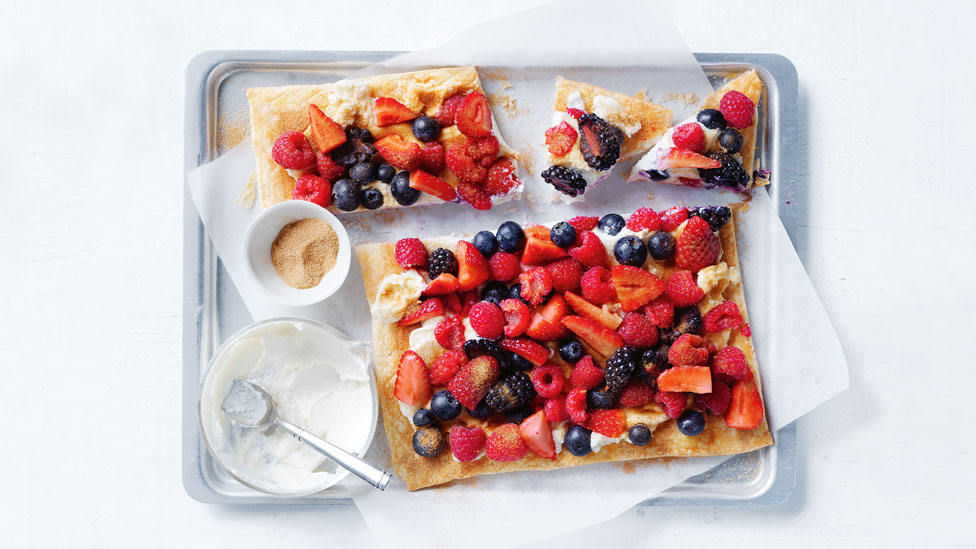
{"points": [[536, 433], [586, 309], [584, 223], [602, 339], [448, 109], [638, 331], [644, 219], [723, 316], [399, 152], [539, 248], [410, 253], [566, 274], [576, 405], [468, 299], [432, 157], [474, 195], [660, 311], [691, 379], [697, 246], [597, 286], [505, 444], [466, 442], [326, 133], [586, 374], [575, 113], [636, 394], [504, 266], [446, 366], [673, 404], [717, 401], [472, 266], [590, 251], [527, 349], [473, 380], [516, 317], [560, 139], [444, 284], [555, 409], [548, 380], [501, 179], [428, 309], [609, 423], [689, 136], [682, 290], [536, 285], [452, 302], [449, 333], [737, 109], [683, 158], [462, 165], [314, 189], [673, 217], [545, 324], [328, 168], [487, 320], [412, 386], [729, 364], [635, 286], [688, 350], [746, 409], [473, 117], [389, 111], [431, 184]]}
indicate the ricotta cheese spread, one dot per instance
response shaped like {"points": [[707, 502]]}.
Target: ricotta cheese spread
{"points": [[395, 295]]}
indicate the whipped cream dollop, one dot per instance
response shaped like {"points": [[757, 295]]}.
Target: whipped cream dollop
{"points": [[395, 295]]}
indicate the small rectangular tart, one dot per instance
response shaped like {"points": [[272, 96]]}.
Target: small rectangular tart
{"points": [[640, 124], [394, 292], [676, 165], [353, 104]]}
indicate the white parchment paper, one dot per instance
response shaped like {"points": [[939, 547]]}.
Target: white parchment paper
{"points": [[801, 361]]}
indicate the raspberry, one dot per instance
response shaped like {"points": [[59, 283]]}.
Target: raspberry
{"points": [[487, 320], [723, 316], [560, 139], [517, 317], [565, 274], [585, 375], [737, 109], [292, 151], [504, 266], [449, 333], [671, 403], [689, 136], [716, 402], [575, 113], [505, 444], [481, 148], [638, 331], [466, 443], [501, 179], [548, 380], [462, 165], [682, 290], [688, 350], [576, 405], [432, 157], [644, 218], [410, 253], [673, 217], [475, 196], [443, 369], [555, 409], [660, 312], [597, 285], [590, 252], [697, 246], [314, 189], [583, 223], [536, 284], [448, 109], [635, 394], [328, 168], [729, 364]]}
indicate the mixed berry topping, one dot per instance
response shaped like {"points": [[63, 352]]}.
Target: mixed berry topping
{"points": [[600, 142], [566, 180]]}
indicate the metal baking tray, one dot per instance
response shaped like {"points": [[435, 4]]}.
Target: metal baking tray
{"points": [[213, 310]]}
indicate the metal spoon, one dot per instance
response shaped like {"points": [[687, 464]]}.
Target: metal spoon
{"points": [[249, 405]]}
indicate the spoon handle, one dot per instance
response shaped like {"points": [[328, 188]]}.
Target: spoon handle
{"points": [[376, 477]]}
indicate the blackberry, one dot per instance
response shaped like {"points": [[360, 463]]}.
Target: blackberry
{"points": [[599, 142], [442, 261], [357, 148], [620, 367], [717, 216], [656, 175], [656, 357], [731, 174], [512, 392], [566, 180], [687, 320], [483, 347]]}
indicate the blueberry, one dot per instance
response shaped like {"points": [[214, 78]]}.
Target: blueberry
{"points": [[562, 234], [630, 250], [494, 292], [657, 175], [423, 417], [577, 440], [515, 292], [600, 398], [612, 224], [519, 362], [731, 140], [385, 173], [347, 194], [426, 128], [486, 243], [511, 238], [445, 406], [571, 351], [372, 199], [639, 434], [691, 423], [661, 245], [428, 441], [518, 415], [482, 411], [364, 172], [712, 119], [403, 193], [656, 357], [688, 320]]}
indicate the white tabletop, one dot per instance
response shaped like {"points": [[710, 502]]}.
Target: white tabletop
{"points": [[90, 284]]}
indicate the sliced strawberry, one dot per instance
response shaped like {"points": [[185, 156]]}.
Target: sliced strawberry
{"points": [[609, 423], [555, 309], [473, 117], [539, 248], [444, 284], [449, 333], [683, 158], [453, 302], [448, 109], [560, 139], [536, 433], [591, 311], [746, 410], [326, 133], [690, 379], [527, 349], [473, 380], [541, 329], [468, 299], [517, 317], [399, 152], [428, 309], [389, 111], [474, 195], [431, 184], [602, 339], [473, 268], [635, 286], [412, 386]]}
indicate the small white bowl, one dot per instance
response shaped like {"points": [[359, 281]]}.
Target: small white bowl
{"points": [[257, 253]]}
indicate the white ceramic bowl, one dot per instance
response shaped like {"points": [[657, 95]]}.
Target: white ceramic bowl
{"points": [[257, 253]]}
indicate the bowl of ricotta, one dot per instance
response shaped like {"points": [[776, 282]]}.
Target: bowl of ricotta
{"points": [[317, 377]]}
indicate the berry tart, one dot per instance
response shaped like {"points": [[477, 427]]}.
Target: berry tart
{"points": [[382, 142], [592, 130], [550, 346], [716, 148]]}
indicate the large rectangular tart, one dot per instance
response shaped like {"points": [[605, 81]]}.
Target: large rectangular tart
{"points": [[435, 125], [681, 383]]}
